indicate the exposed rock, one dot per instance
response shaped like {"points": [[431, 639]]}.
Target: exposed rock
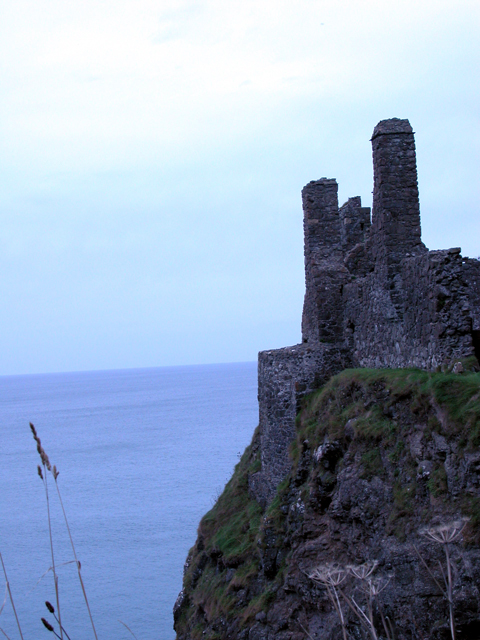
{"points": [[371, 467]]}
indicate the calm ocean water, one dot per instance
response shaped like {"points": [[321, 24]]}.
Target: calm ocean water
{"points": [[142, 454]]}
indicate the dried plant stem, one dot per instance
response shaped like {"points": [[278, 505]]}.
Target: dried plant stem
{"points": [[11, 599], [4, 599], [77, 562], [305, 631], [55, 577], [366, 620], [43, 476], [444, 534], [338, 607], [4, 633], [52, 611], [361, 616], [449, 589], [61, 625], [429, 572], [388, 627], [331, 576], [127, 627], [370, 615]]}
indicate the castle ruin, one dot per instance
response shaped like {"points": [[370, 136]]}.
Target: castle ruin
{"points": [[375, 296]]}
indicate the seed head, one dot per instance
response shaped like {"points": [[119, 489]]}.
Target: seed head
{"points": [[445, 533], [363, 571], [47, 624], [40, 449], [373, 587], [49, 606], [329, 574]]}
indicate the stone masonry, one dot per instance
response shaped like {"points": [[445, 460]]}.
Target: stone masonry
{"points": [[375, 296]]}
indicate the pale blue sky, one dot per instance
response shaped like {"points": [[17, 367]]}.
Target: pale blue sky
{"points": [[153, 154]]}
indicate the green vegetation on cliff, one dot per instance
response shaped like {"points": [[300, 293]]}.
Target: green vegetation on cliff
{"points": [[378, 454]]}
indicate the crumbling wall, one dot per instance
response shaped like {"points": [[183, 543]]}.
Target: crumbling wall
{"points": [[430, 325], [285, 376], [354, 223], [471, 269]]}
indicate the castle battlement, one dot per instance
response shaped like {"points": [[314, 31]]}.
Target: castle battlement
{"points": [[374, 296]]}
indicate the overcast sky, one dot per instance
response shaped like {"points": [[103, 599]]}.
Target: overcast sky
{"points": [[153, 153]]}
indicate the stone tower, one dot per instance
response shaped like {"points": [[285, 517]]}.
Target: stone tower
{"points": [[322, 319], [396, 227]]}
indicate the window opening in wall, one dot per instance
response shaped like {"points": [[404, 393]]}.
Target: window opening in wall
{"points": [[350, 331], [476, 343]]}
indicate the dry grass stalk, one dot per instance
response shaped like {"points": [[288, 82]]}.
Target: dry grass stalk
{"points": [[11, 599], [46, 465], [51, 609], [55, 473], [4, 599], [304, 630], [127, 627], [1, 609], [77, 561]]}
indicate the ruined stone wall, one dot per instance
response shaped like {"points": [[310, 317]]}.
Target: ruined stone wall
{"points": [[374, 296], [285, 376], [471, 268], [431, 324], [354, 224]]}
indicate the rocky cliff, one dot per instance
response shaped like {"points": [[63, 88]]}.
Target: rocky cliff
{"points": [[355, 511], [384, 463]]}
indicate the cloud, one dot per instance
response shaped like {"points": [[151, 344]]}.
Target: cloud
{"points": [[165, 142]]}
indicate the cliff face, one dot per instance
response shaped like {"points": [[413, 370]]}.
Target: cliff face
{"points": [[361, 516], [378, 456]]}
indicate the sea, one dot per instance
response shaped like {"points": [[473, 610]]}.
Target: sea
{"points": [[142, 455]]}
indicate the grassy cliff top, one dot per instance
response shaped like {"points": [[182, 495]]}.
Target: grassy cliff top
{"points": [[378, 454]]}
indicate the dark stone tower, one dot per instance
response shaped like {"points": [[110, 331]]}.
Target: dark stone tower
{"points": [[322, 319], [396, 228]]}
